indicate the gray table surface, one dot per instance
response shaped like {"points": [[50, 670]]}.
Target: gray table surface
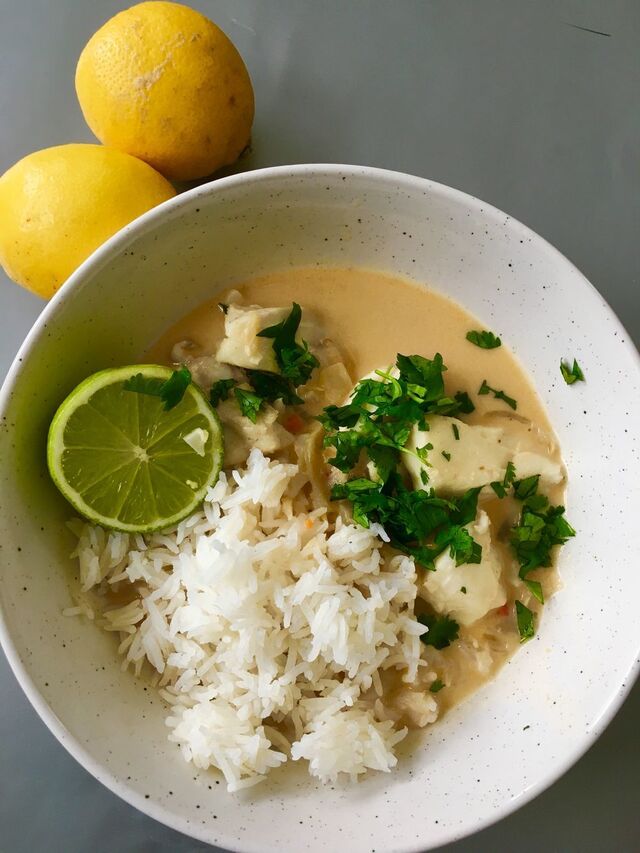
{"points": [[519, 102]]}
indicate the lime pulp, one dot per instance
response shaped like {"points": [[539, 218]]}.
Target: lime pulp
{"points": [[127, 464]]}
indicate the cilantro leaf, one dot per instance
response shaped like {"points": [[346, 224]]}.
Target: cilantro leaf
{"points": [[265, 388], [423, 454], [499, 395], [294, 360], [484, 340], [336, 417], [509, 474], [456, 432], [424, 373], [348, 444], [385, 461], [536, 589], [424, 555], [418, 522], [462, 546], [525, 620], [446, 455], [466, 506], [377, 422], [436, 686], [539, 528], [171, 391], [352, 488], [571, 374], [298, 363], [465, 405], [526, 488], [220, 390], [382, 412], [174, 388], [366, 498], [442, 630], [416, 515], [500, 487], [249, 403], [272, 387]]}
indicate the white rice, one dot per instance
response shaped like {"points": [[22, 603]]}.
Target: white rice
{"points": [[255, 612]]}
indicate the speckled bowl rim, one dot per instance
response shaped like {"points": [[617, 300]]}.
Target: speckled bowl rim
{"points": [[110, 249]]}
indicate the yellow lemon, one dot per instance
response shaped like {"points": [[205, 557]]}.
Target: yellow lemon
{"points": [[164, 83], [59, 204]]}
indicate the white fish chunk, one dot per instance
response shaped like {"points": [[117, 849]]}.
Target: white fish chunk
{"points": [[443, 588], [241, 346], [478, 457]]}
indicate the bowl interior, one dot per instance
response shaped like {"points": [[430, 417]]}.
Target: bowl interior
{"points": [[509, 740]]}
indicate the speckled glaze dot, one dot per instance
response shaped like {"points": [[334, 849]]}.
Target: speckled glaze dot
{"points": [[548, 704]]}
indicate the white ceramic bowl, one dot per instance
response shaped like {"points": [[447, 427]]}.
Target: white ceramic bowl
{"points": [[547, 706]]}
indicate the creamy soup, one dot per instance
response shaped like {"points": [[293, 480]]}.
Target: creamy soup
{"points": [[365, 318], [325, 515]]}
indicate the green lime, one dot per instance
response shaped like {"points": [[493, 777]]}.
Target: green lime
{"points": [[126, 463]]}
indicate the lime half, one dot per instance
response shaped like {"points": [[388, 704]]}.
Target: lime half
{"points": [[127, 464]]}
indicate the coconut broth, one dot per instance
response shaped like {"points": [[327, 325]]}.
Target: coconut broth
{"points": [[371, 317]]}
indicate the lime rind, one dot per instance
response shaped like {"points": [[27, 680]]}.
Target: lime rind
{"points": [[116, 450]]}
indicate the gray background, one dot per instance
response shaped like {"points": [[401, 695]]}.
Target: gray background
{"points": [[507, 99]]}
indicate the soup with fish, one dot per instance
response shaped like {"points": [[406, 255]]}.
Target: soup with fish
{"points": [[381, 540]]}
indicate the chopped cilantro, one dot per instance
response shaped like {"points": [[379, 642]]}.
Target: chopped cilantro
{"points": [[385, 460], [382, 412], [571, 374], [348, 445], [456, 432], [462, 546], [442, 630], [272, 386], [171, 391], [536, 589], [223, 307], [419, 523], [535, 535], [265, 388], [525, 620], [463, 590], [423, 453], [436, 686], [484, 340], [499, 395], [523, 489], [378, 421], [409, 516], [465, 405], [249, 403], [509, 474], [467, 506], [540, 527], [294, 360], [500, 487], [423, 375], [220, 390], [352, 488]]}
